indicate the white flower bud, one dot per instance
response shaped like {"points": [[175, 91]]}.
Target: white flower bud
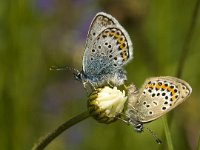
{"points": [[106, 103]]}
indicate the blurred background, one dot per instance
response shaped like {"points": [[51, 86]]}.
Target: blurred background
{"points": [[37, 34]]}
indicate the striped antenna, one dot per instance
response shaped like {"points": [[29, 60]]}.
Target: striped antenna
{"points": [[158, 141], [56, 68]]}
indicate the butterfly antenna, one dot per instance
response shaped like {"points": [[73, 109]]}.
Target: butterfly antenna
{"points": [[158, 141], [55, 68]]}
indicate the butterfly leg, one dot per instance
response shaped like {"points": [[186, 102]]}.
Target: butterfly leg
{"points": [[88, 86]]}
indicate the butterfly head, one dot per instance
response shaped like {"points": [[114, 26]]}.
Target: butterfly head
{"points": [[138, 127], [78, 76]]}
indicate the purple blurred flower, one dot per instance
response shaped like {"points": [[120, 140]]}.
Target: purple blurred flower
{"points": [[45, 5]]}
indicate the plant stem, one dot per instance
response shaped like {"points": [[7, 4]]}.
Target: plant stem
{"points": [[181, 63], [167, 133], [198, 146], [44, 141], [187, 40]]}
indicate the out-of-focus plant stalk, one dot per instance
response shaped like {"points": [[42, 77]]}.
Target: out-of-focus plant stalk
{"points": [[187, 41], [181, 64], [44, 141]]}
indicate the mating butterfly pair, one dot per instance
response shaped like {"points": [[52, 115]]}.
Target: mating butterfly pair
{"points": [[108, 50]]}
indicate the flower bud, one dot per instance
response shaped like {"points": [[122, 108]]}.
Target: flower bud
{"points": [[106, 103]]}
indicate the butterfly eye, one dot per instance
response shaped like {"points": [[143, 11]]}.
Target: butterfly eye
{"points": [[138, 127]]}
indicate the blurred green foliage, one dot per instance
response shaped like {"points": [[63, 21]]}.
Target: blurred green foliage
{"points": [[37, 34]]}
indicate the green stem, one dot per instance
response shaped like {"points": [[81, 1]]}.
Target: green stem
{"points": [[187, 40], [181, 63], [44, 141], [167, 133], [198, 146]]}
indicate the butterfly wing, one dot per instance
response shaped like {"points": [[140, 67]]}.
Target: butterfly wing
{"points": [[158, 96], [108, 48], [99, 23]]}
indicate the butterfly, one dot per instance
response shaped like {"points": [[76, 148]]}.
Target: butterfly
{"points": [[108, 48], [157, 96]]}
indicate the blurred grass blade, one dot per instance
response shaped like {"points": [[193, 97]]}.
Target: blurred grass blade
{"points": [[167, 133], [198, 146], [43, 142], [187, 41]]}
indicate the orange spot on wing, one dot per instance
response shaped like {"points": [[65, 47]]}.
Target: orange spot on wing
{"points": [[173, 93], [158, 86], [121, 46], [173, 98], [164, 87], [149, 86], [169, 89]]}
